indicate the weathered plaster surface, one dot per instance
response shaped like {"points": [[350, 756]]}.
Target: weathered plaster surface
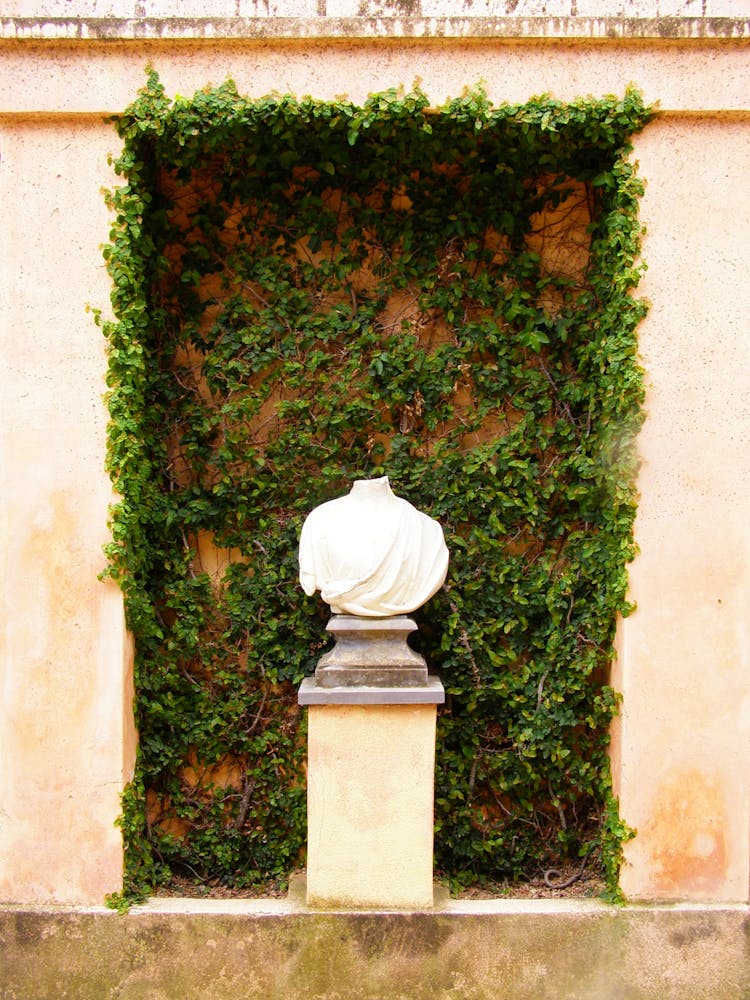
{"points": [[39, 78], [364, 10], [685, 657], [434, 19], [65, 737], [681, 754], [269, 950]]}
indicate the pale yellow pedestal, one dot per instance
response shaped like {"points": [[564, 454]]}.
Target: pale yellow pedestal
{"points": [[370, 805]]}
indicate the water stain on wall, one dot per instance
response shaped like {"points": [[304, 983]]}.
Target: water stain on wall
{"points": [[686, 833]]}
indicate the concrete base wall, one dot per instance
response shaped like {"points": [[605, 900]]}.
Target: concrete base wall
{"points": [[265, 949]]}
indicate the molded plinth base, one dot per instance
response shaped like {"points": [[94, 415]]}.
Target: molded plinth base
{"points": [[372, 652]]}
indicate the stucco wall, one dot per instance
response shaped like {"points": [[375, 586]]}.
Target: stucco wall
{"points": [[685, 659], [65, 722], [682, 751]]}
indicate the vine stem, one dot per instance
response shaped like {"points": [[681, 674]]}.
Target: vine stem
{"points": [[549, 872], [463, 638]]}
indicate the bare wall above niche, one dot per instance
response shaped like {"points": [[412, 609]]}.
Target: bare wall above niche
{"points": [[89, 76]]}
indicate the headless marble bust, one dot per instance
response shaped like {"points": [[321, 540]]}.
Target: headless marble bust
{"points": [[371, 553]]}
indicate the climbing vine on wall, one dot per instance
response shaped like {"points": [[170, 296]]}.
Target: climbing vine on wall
{"points": [[309, 292]]}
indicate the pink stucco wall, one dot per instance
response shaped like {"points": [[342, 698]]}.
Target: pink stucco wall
{"points": [[684, 664], [65, 724], [681, 752]]}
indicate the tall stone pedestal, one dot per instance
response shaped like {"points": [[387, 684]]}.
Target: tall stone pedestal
{"points": [[370, 798], [370, 769]]}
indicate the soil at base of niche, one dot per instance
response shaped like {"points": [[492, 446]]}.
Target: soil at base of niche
{"points": [[590, 885]]}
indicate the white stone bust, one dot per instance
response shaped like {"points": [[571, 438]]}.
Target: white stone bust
{"points": [[371, 553]]}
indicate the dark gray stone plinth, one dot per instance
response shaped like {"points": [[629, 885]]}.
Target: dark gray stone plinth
{"points": [[431, 693], [371, 652]]}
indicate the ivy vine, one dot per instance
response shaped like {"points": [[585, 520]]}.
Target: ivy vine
{"points": [[309, 292]]}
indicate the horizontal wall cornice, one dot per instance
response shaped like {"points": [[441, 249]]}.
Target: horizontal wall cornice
{"points": [[595, 29]]}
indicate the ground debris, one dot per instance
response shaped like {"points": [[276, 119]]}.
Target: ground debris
{"points": [[590, 885]]}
